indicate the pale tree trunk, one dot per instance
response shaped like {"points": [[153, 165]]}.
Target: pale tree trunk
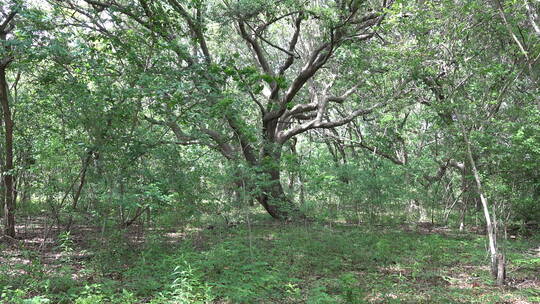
{"points": [[497, 260], [534, 20]]}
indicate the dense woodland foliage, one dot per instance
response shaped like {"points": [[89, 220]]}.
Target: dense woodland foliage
{"points": [[165, 115]]}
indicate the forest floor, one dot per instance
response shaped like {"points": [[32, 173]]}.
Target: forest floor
{"points": [[264, 262]]}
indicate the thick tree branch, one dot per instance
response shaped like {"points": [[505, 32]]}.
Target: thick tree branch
{"points": [[342, 97], [256, 47], [299, 109], [306, 116], [247, 149], [292, 45], [224, 147], [195, 27], [184, 139], [316, 123], [4, 29], [321, 55], [317, 59]]}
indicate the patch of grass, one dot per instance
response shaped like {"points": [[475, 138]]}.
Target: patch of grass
{"points": [[285, 264]]}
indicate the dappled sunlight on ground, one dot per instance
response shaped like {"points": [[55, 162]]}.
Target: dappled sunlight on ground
{"points": [[326, 261]]}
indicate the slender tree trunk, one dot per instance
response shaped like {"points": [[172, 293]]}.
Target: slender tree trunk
{"points": [[77, 194], [241, 189], [9, 202], [462, 215], [302, 189], [465, 196], [534, 20], [140, 211], [496, 270]]}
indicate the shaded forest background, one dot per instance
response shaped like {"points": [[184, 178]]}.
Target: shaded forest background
{"points": [[166, 115]]}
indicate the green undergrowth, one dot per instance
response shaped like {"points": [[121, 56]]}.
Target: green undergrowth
{"points": [[276, 263]]}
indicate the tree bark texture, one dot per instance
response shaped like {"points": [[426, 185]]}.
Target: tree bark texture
{"points": [[9, 202], [272, 196], [9, 198]]}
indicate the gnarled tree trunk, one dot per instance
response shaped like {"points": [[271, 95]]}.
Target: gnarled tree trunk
{"points": [[272, 196]]}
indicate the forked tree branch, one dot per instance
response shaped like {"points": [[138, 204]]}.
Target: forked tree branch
{"points": [[317, 123], [4, 26]]}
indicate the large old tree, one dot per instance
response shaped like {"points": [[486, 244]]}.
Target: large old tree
{"points": [[266, 75]]}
